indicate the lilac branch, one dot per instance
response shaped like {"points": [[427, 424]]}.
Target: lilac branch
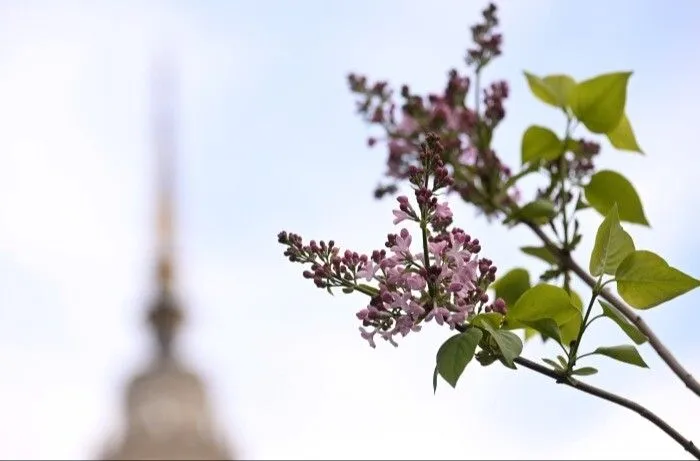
{"points": [[642, 411], [664, 353], [446, 282], [484, 181]]}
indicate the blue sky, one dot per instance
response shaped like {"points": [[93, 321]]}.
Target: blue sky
{"points": [[269, 141]]}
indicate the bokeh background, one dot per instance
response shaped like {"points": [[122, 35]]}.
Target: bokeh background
{"points": [[269, 141]]}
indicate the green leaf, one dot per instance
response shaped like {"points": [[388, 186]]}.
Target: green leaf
{"points": [[607, 188], [612, 245], [629, 329], [554, 90], [368, 289], [539, 211], [561, 86], [508, 343], [569, 329], [599, 102], [435, 376], [493, 319], [540, 143], [553, 364], [540, 252], [455, 353], [562, 361], [540, 89], [622, 137], [576, 300], [624, 353], [547, 327], [486, 358], [512, 285], [585, 371], [542, 301], [530, 333], [645, 280]]}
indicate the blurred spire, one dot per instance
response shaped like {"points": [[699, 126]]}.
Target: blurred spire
{"points": [[165, 315], [168, 415]]}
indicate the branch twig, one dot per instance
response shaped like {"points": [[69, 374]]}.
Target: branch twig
{"points": [[663, 352], [688, 445]]}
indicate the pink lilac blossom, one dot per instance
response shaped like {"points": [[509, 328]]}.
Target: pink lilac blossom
{"points": [[446, 283], [468, 156], [466, 132], [408, 125], [458, 281]]}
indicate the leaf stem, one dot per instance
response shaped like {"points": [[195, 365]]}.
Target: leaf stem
{"points": [[424, 235], [574, 347], [562, 184], [477, 94], [587, 354], [522, 173], [365, 290], [642, 411], [563, 197], [595, 317]]}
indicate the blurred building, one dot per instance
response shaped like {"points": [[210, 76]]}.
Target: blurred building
{"points": [[166, 409]]}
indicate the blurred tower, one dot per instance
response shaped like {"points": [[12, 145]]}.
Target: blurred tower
{"points": [[166, 408]]}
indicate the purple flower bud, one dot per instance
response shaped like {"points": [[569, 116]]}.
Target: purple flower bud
{"points": [[455, 287], [499, 305]]}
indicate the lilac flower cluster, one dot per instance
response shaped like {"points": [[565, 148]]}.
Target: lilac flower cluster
{"points": [[465, 131], [482, 179], [488, 43], [581, 165], [446, 282]]}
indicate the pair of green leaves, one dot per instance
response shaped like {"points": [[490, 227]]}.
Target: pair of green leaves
{"points": [[549, 310], [455, 354], [624, 353], [545, 308], [604, 189], [644, 279], [562, 365], [598, 103]]}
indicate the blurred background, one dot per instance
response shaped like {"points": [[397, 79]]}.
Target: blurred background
{"points": [[267, 140]]}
